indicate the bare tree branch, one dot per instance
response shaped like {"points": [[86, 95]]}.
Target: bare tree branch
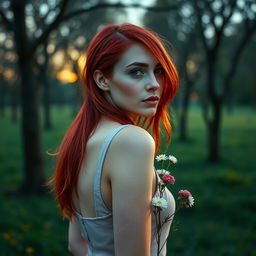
{"points": [[50, 10], [219, 31], [60, 17], [226, 19], [200, 25], [120, 5], [236, 56], [51, 26], [212, 15]]}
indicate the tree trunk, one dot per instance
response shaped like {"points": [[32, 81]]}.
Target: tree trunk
{"points": [[214, 121], [46, 89], [46, 98], [34, 169], [14, 103], [2, 96], [214, 133], [33, 162]]}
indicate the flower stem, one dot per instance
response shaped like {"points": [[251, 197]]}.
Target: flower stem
{"points": [[158, 233]]}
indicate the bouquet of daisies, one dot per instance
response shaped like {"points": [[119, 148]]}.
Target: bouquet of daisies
{"points": [[159, 202]]}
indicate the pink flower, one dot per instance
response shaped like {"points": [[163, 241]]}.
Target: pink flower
{"points": [[167, 178], [186, 199], [185, 193]]}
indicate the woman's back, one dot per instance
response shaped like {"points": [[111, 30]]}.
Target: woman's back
{"points": [[86, 205], [97, 228], [87, 173]]}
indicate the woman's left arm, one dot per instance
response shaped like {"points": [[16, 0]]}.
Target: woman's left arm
{"points": [[77, 246]]}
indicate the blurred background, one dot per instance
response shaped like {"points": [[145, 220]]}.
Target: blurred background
{"points": [[213, 44]]}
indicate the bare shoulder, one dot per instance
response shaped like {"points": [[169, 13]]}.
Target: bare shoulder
{"points": [[132, 147], [133, 137]]}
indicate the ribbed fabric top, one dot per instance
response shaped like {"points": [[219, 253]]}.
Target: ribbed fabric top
{"points": [[98, 231]]}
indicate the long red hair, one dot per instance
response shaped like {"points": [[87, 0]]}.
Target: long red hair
{"points": [[103, 52]]}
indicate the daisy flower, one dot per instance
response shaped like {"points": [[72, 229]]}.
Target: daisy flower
{"points": [[159, 202], [191, 201], [162, 171], [161, 157], [172, 159]]}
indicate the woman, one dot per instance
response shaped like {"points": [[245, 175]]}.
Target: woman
{"points": [[105, 177]]}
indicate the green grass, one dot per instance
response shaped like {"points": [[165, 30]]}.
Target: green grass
{"points": [[221, 223]]}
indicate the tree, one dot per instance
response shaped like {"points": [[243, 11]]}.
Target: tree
{"points": [[215, 18], [26, 47]]}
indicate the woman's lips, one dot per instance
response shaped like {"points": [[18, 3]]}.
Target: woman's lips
{"points": [[152, 100]]}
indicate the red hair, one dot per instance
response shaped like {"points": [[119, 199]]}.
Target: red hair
{"points": [[103, 52]]}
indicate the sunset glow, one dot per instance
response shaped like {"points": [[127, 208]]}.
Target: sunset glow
{"points": [[67, 76]]}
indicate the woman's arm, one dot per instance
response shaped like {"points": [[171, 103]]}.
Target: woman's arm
{"points": [[131, 160], [76, 244]]}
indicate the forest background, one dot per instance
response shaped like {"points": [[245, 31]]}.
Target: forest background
{"points": [[213, 44]]}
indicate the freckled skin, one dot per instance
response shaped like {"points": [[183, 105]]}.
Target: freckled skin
{"points": [[128, 86]]}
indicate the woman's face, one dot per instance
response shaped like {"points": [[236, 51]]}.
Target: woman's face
{"points": [[136, 77]]}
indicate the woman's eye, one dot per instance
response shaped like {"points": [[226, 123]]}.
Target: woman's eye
{"points": [[159, 71], [136, 72]]}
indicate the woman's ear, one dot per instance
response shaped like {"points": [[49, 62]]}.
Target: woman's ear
{"points": [[101, 80]]}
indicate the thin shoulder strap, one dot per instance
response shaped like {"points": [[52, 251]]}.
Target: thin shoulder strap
{"points": [[100, 207]]}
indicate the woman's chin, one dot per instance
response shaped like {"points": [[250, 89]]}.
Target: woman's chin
{"points": [[149, 113], [146, 114]]}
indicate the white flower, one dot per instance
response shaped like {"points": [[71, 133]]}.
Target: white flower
{"points": [[161, 157], [162, 171], [191, 201], [159, 202], [173, 159]]}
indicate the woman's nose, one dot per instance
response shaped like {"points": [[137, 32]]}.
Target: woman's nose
{"points": [[152, 83]]}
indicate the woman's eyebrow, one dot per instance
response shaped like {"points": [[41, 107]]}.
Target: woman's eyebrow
{"points": [[141, 64]]}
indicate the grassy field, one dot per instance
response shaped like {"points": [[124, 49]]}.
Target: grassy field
{"points": [[222, 223]]}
